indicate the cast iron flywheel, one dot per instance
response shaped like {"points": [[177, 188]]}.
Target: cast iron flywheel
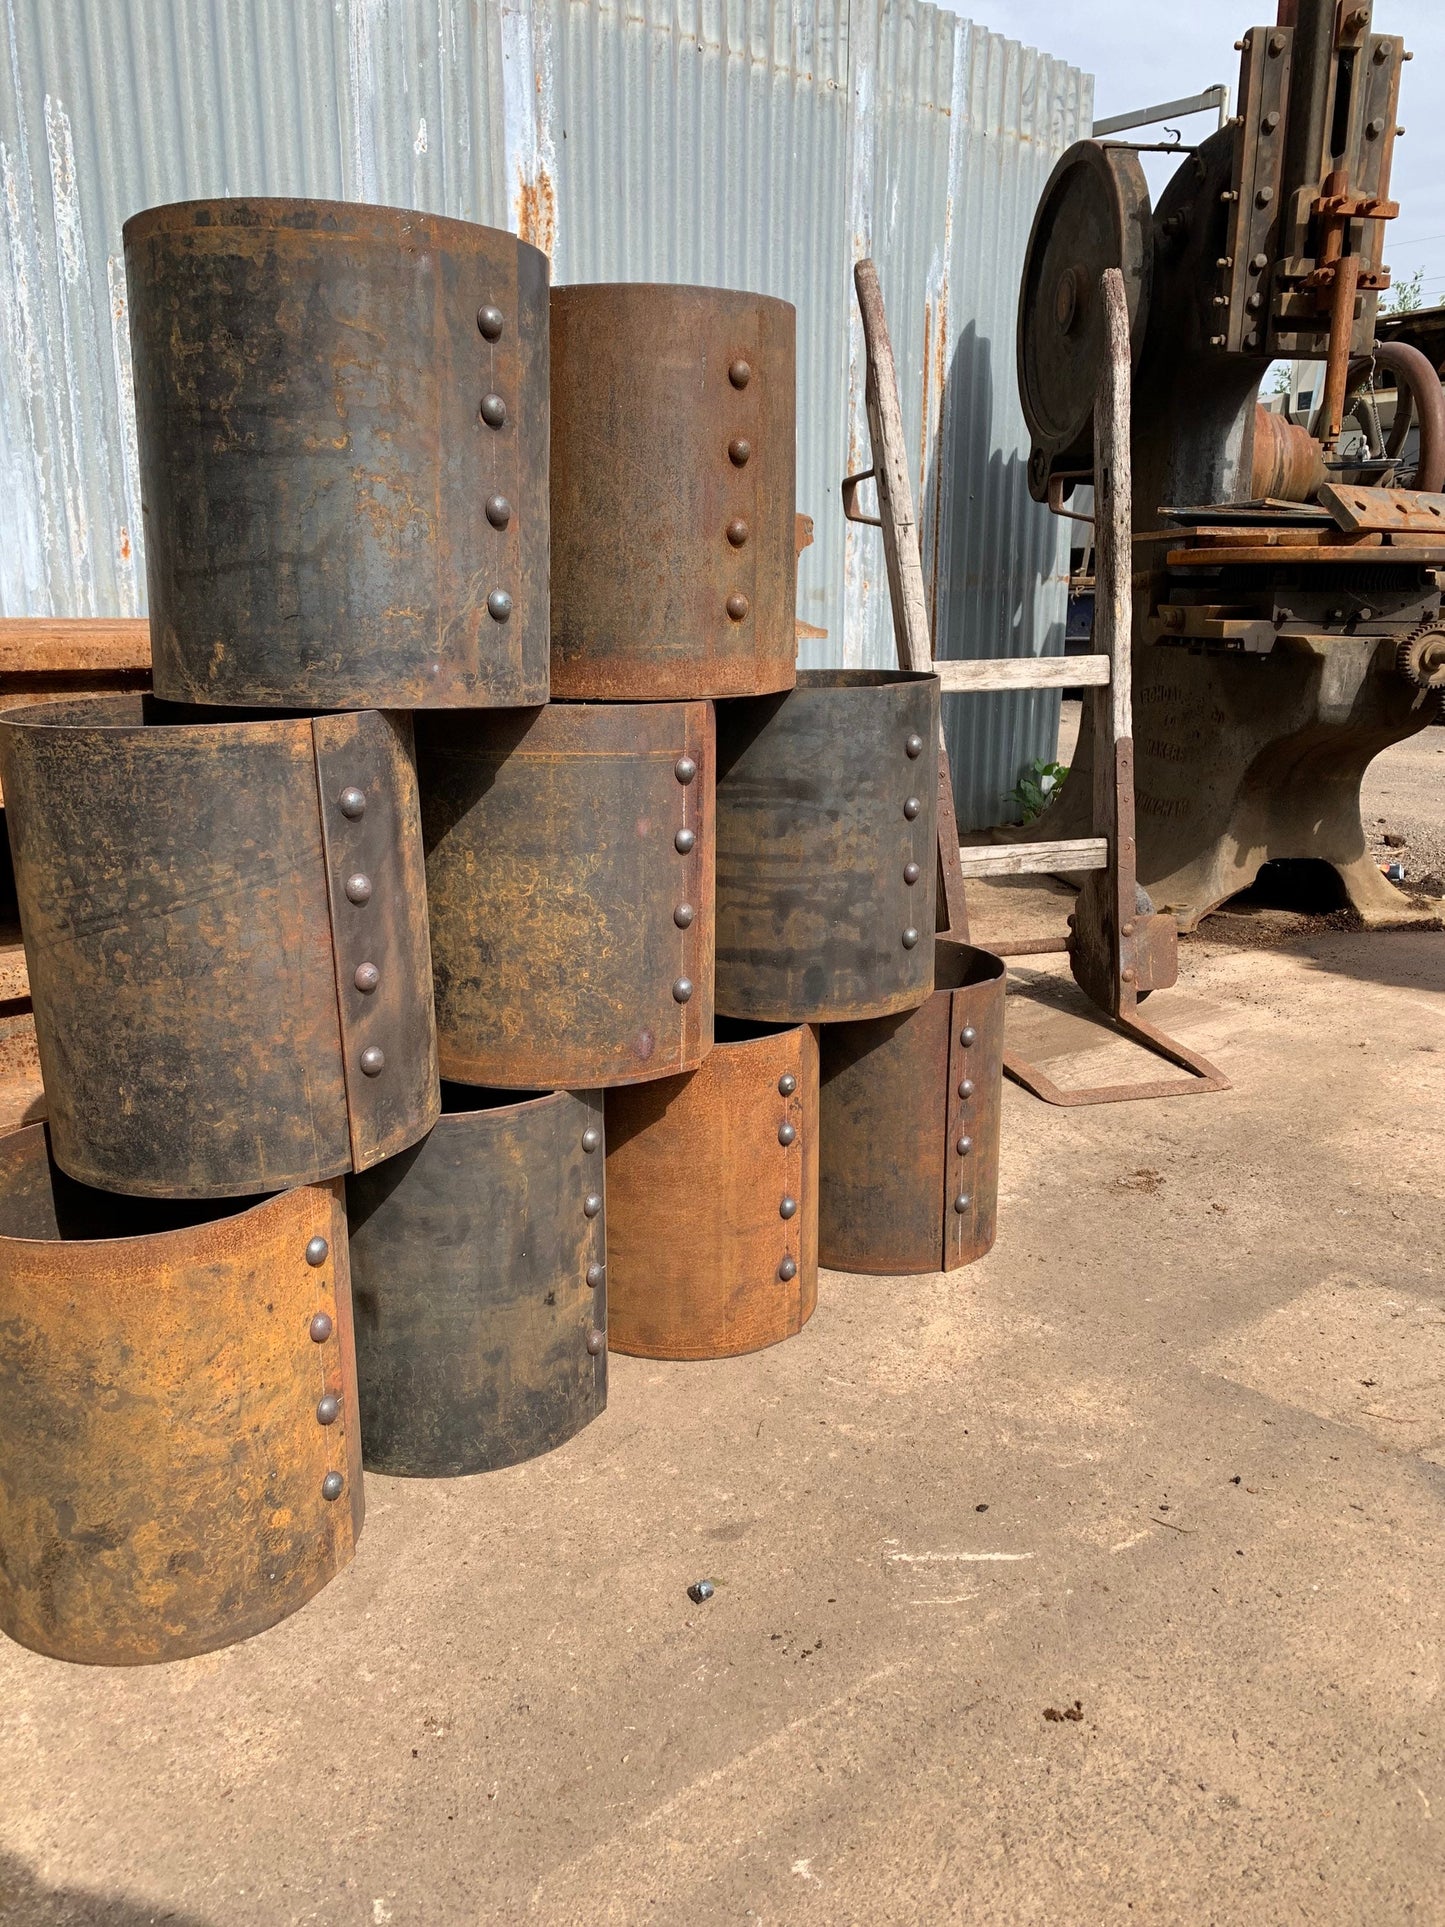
{"points": [[1094, 214]]}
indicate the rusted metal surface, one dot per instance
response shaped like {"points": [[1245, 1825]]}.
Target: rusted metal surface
{"points": [[202, 904], [569, 875], [342, 422], [909, 1125], [478, 1270], [1288, 463], [712, 1199], [674, 572], [173, 1475], [826, 860], [1384, 509]]}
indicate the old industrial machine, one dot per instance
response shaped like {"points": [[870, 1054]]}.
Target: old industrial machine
{"points": [[1286, 618]]}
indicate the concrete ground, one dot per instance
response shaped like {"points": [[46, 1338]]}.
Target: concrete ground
{"points": [[1102, 1581]]}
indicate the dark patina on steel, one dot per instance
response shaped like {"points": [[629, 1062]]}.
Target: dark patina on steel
{"points": [[180, 1455], [479, 1273], [712, 1199], [910, 1110], [225, 930], [674, 570], [826, 873], [342, 423], [569, 870]]}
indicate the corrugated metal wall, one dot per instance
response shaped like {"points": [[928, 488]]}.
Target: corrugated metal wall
{"points": [[753, 143]]}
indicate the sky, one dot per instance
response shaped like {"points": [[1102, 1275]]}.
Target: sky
{"points": [[1140, 54]]}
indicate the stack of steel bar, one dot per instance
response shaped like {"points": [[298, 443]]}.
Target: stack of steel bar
{"points": [[476, 778]]}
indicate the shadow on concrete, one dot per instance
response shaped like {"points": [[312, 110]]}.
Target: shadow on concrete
{"points": [[26, 1901], [1403, 959]]}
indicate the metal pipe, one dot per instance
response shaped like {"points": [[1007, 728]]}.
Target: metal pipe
{"points": [[1416, 375]]}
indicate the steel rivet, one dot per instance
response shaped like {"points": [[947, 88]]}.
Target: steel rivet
{"points": [[962, 1202], [683, 915], [737, 607], [787, 1084], [787, 1133], [489, 320], [596, 1342], [1126, 929], [914, 745], [499, 605], [682, 990], [911, 873], [740, 374], [788, 1270], [358, 888], [787, 1207], [373, 1060], [499, 511], [1127, 976], [595, 1275], [493, 411], [964, 1146], [737, 532], [684, 769], [910, 937], [912, 807], [367, 977], [332, 1485], [591, 1204], [328, 1409], [967, 1035], [591, 1138], [321, 1328], [317, 1251], [683, 841], [351, 802], [738, 451], [965, 1089]]}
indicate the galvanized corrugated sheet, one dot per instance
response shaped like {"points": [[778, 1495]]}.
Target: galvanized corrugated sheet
{"points": [[746, 143]]}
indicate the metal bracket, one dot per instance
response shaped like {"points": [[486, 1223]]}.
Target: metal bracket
{"points": [[851, 511]]}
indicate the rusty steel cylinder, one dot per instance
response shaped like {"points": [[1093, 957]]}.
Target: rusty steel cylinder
{"points": [[225, 930], [712, 1199], [569, 875], [478, 1270], [674, 571], [180, 1453], [826, 864], [910, 1108], [341, 415]]}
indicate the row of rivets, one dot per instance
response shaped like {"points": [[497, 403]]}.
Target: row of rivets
{"points": [[493, 411], [319, 1330], [596, 1271], [352, 804], [967, 1036], [739, 450], [787, 1207], [685, 841], [912, 871]]}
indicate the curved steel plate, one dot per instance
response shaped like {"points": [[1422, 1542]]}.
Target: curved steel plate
{"points": [[700, 1170], [555, 886], [185, 928], [470, 1256], [821, 809], [163, 1460], [316, 465], [674, 569], [903, 1140]]}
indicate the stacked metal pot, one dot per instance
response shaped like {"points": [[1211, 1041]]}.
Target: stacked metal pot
{"points": [[427, 976]]}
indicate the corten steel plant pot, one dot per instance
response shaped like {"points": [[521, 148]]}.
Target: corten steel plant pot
{"points": [[826, 866], [342, 421], [225, 929], [674, 570], [712, 1199], [569, 864], [478, 1269], [180, 1455], [910, 1126]]}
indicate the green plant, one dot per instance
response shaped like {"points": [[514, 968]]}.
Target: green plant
{"points": [[1037, 787], [1406, 296]]}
